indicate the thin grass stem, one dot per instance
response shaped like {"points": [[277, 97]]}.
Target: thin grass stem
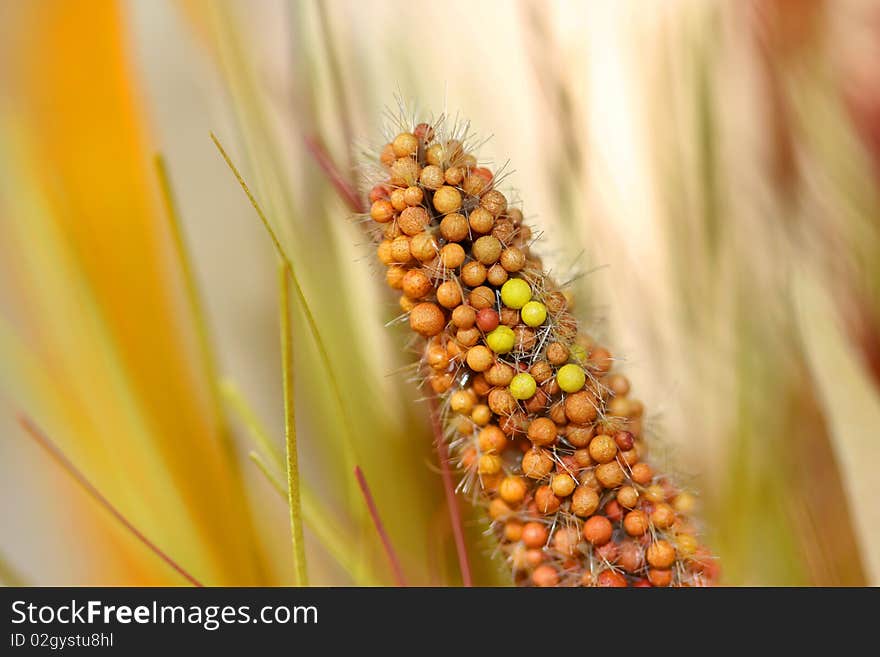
{"points": [[55, 452]]}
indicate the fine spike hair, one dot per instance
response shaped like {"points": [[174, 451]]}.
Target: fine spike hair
{"points": [[547, 437]]}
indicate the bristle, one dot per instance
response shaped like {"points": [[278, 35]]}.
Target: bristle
{"points": [[543, 431]]}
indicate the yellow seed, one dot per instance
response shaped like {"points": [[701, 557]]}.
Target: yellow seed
{"points": [[523, 386], [533, 313], [571, 378], [501, 340], [516, 293]]}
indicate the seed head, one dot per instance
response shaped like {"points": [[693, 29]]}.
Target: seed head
{"points": [[551, 441]]}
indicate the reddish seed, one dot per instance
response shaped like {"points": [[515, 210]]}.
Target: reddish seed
{"points": [[613, 511], [546, 500], [541, 371], [631, 557], [624, 440], [492, 440], [515, 423], [487, 320], [631, 456], [534, 557], [545, 576], [440, 383], [598, 530], [619, 385], [557, 413], [611, 579], [424, 132], [581, 456], [608, 552], [378, 192], [535, 534]]}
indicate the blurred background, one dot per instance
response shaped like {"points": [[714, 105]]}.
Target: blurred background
{"points": [[709, 172]]}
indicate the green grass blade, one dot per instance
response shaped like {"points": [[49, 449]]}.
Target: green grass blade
{"points": [[293, 492]]}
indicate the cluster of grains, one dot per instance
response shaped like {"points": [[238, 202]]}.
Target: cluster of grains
{"points": [[547, 435]]}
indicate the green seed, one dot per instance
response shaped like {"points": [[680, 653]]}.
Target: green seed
{"points": [[533, 313], [516, 293], [523, 386], [578, 353], [501, 339], [571, 378]]}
